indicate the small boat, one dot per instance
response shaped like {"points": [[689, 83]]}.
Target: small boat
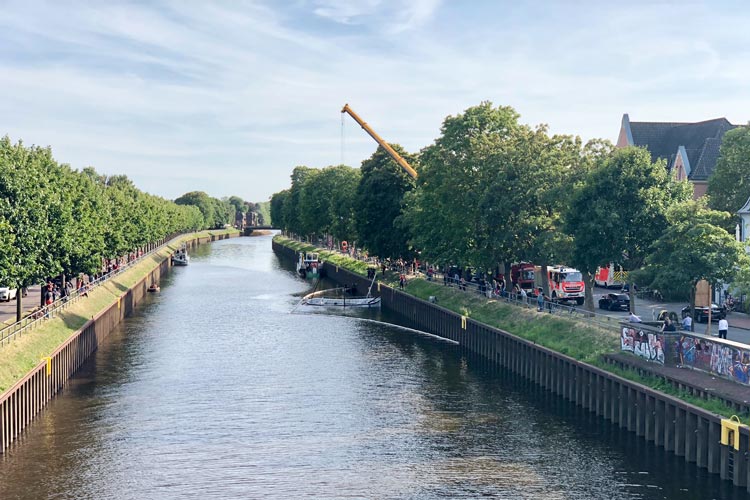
{"points": [[180, 257], [153, 288], [309, 265], [341, 299]]}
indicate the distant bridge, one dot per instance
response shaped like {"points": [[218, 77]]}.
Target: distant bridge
{"points": [[249, 229]]}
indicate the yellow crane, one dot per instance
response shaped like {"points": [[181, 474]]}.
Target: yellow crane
{"points": [[396, 157]]}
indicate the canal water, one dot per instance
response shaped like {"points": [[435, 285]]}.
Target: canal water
{"points": [[220, 387]]}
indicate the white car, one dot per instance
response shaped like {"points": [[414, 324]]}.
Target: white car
{"points": [[7, 294]]}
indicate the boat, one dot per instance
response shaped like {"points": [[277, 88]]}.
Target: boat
{"points": [[342, 301], [309, 265], [338, 297], [180, 257], [153, 288]]}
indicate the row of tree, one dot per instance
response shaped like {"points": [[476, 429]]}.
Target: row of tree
{"points": [[56, 220], [492, 191]]}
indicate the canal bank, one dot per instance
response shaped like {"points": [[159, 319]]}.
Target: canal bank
{"points": [[57, 349], [685, 430]]}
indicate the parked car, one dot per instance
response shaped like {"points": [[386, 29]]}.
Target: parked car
{"points": [[7, 294], [614, 302], [701, 313]]}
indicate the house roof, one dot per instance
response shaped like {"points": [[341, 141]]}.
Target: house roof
{"points": [[745, 208], [701, 141]]}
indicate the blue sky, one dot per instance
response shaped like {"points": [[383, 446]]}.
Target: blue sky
{"points": [[228, 97]]}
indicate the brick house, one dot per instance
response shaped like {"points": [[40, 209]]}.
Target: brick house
{"points": [[690, 149]]}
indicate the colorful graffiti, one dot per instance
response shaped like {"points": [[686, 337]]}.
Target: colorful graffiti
{"points": [[645, 344], [721, 358], [724, 360]]}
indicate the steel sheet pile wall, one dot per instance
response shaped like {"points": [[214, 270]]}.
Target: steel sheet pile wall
{"points": [[24, 400]]}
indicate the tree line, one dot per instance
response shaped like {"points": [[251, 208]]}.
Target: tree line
{"points": [[55, 220], [492, 191]]}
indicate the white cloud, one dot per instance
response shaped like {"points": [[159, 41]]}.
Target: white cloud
{"points": [[233, 96]]}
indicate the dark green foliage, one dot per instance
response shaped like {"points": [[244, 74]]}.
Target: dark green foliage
{"points": [[54, 219], [378, 203], [729, 185]]}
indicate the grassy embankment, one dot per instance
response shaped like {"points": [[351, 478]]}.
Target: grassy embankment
{"points": [[576, 339], [25, 352]]}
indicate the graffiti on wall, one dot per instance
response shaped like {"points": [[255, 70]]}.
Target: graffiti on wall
{"points": [[715, 357], [645, 344]]}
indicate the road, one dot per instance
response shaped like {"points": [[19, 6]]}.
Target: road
{"points": [[739, 323], [8, 309]]}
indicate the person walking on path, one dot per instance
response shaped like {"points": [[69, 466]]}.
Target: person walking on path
{"points": [[723, 327], [540, 300]]}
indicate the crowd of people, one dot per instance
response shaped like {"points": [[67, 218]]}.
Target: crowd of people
{"points": [[58, 290], [496, 287]]}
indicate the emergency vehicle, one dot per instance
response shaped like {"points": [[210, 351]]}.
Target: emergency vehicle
{"points": [[522, 274], [565, 284], [611, 276]]}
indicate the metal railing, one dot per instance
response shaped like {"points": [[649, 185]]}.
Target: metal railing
{"points": [[41, 314]]}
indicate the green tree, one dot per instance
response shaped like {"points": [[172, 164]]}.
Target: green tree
{"points": [[619, 211], [378, 203], [238, 204], [24, 211], [277, 209], [694, 246], [293, 217], [203, 202], [729, 185], [88, 225], [341, 209], [457, 184], [327, 202], [562, 167]]}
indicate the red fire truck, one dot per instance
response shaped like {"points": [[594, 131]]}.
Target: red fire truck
{"points": [[565, 284], [522, 274]]}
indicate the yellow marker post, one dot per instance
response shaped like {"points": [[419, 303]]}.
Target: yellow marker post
{"points": [[48, 359], [463, 322], [730, 431], [118, 302]]}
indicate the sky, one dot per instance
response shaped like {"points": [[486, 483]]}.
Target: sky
{"points": [[227, 97]]}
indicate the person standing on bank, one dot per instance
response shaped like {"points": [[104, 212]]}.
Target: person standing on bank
{"points": [[723, 327], [687, 323]]}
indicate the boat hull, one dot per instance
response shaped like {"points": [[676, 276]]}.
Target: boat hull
{"points": [[342, 302]]}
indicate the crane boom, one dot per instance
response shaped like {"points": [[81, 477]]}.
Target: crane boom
{"points": [[392, 152]]}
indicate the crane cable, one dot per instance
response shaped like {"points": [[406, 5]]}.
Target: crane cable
{"points": [[342, 138]]}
